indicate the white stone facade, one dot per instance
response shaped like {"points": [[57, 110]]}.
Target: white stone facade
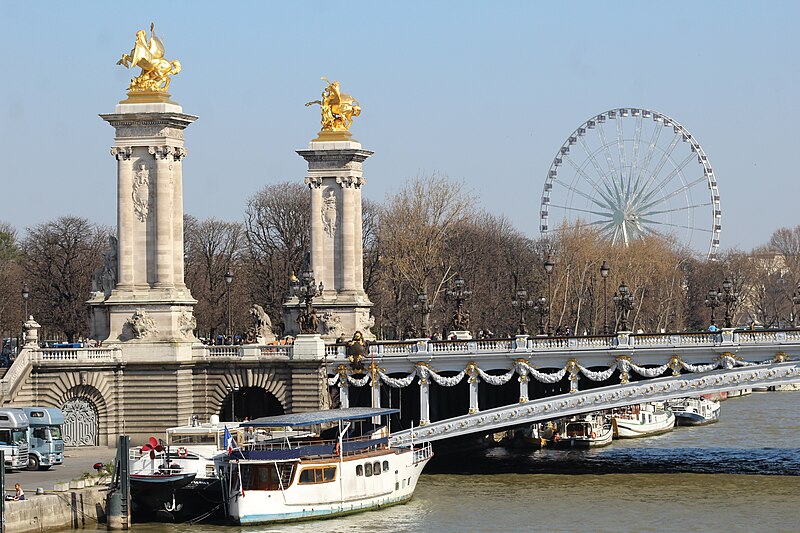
{"points": [[335, 179], [150, 302]]}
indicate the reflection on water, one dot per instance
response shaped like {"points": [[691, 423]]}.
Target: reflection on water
{"points": [[692, 479]]}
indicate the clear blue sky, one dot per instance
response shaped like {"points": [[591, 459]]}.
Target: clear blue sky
{"points": [[484, 92]]}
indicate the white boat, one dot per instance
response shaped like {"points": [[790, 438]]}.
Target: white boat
{"points": [[643, 420], [739, 392], [197, 452], [694, 411], [348, 468], [582, 431]]}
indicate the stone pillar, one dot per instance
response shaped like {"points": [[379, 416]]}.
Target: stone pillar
{"points": [[523, 388], [473, 394], [424, 402], [344, 396], [335, 180], [150, 303]]}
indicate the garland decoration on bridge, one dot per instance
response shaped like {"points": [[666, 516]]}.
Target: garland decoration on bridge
{"points": [[525, 370]]}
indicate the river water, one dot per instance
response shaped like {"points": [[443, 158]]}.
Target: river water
{"points": [[741, 474]]}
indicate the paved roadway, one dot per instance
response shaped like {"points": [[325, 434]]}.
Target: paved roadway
{"points": [[76, 462]]}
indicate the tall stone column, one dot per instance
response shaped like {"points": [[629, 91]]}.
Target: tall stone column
{"points": [[335, 179], [149, 303]]}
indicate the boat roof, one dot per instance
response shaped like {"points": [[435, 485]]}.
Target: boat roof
{"points": [[311, 418]]}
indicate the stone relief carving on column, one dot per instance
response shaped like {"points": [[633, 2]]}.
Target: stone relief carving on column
{"points": [[141, 325], [261, 330], [329, 213], [122, 153], [366, 322], [332, 322], [179, 153], [187, 324], [141, 193]]}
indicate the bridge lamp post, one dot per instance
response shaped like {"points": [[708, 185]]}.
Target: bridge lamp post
{"points": [[306, 289], [459, 292], [604, 270], [712, 302], [542, 308], [795, 303], [729, 298], [521, 302], [624, 303], [26, 293], [548, 268], [233, 389], [228, 281], [424, 308]]}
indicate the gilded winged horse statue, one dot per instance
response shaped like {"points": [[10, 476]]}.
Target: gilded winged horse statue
{"points": [[338, 108], [149, 56]]}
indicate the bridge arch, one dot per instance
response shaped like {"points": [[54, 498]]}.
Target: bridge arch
{"points": [[249, 392], [249, 403]]}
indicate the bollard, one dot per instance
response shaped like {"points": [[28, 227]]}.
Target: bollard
{"points": [[118, 500]]}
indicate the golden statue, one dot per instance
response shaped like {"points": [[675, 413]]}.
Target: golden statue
{"points": [[338, 110], [149, 56]]}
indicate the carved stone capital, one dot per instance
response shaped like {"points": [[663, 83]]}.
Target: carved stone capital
{"points": [[348, 182], [121, 153], [179, 153], [313, 182], [161, 152]]}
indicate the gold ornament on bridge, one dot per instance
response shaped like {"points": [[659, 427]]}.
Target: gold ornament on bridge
{"points": [[338, 110], [153, 82]]}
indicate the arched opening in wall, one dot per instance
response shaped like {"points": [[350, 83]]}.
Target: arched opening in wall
{"points": [[80, 423], [249, 403]]}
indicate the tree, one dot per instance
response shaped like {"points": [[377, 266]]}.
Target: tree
{"points": [[278, 234], [59, 258], [10, 282], [212, 248]]}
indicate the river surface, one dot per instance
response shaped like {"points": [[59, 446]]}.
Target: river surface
{"points": [[741, 474]]}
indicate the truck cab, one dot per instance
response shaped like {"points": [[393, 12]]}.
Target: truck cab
{"points": [[14, 438], [45, 442]]}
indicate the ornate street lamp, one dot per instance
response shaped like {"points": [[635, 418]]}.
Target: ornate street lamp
{"points": [[548, 268], [795, 302], [26, 293], [624, 303], [459, 292], [521, 302], [729, 298], [424, 309], [306, 289], [712, 302], [604, 270], [542, 308], [228, 281]]}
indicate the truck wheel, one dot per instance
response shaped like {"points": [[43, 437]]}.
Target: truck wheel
{"points": [[33, 462]]}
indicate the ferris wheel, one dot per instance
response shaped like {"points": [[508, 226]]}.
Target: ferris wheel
{"points": [[632, 173]]}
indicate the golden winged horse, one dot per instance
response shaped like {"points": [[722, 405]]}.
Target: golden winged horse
{"points": [[149, 56], [338, 108]]}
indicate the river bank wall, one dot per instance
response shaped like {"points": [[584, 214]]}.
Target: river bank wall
{"points": [[54, 511]]}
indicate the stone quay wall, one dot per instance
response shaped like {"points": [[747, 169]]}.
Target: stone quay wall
{"points": [[84, 508]]}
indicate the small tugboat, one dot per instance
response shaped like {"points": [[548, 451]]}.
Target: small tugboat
{"points": [[642, 420], [348, 468], [583, 431], [694, 411]]}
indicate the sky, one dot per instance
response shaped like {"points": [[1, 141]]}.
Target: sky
{"points": [[482, 92]]}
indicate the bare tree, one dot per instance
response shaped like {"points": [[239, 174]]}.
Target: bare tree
{"points": [[10, 282], [59, 258], [278, 234], [212, 247]]}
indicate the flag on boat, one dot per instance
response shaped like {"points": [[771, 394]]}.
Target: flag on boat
{"points": [[230, 444]]}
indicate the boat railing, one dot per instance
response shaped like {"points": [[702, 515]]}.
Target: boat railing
{"points": [[289, 449], [423, 454]]}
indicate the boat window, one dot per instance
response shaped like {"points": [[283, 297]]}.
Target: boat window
{"points": [[396, 485], [376, 468], [368, 469], [386, 466], [204, 438], [324, 474], [359, 470], [404, 482], [265, 476]]}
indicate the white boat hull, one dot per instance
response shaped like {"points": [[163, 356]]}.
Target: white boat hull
{"points": [[348, 493], [645, 423]]}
